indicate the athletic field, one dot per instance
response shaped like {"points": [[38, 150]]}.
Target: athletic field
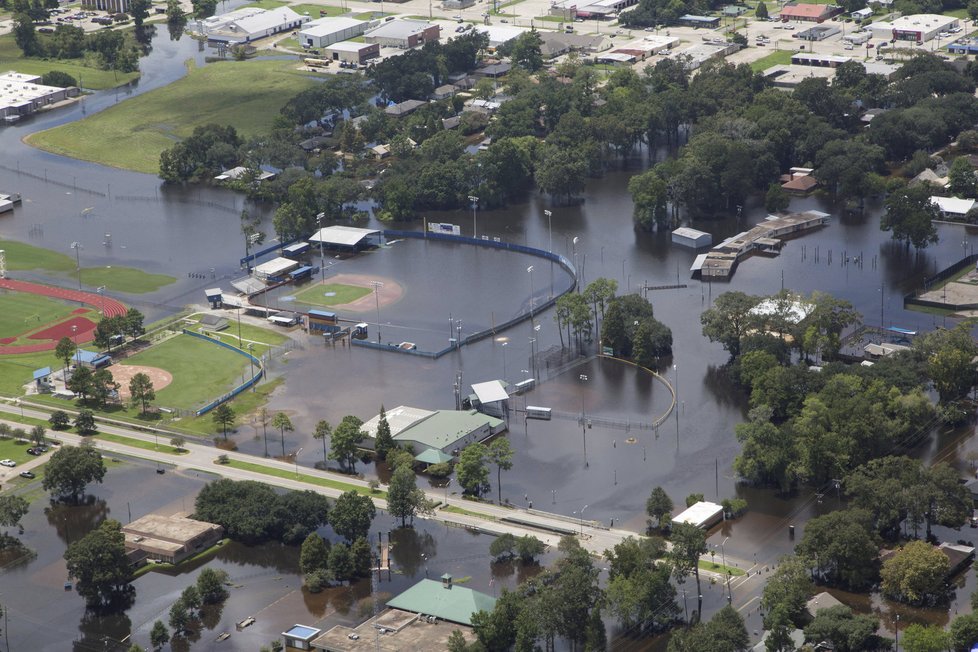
{"points": [[331, 294]]}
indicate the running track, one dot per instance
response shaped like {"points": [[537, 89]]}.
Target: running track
{"points": [[109, 306]]}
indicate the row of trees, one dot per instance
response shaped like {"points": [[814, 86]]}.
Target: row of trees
{"points": [[106, 49]]}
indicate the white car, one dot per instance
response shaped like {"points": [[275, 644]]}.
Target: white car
{"points": [[9, 463]]}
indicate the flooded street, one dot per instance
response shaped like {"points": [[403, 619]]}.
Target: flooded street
{"points": [[179, 231]]}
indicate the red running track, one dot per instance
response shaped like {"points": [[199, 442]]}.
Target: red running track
{"points": [[109, 307]]}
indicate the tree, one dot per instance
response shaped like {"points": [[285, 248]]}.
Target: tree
{"points": [[346, 439], [502, 546], [139, 10], [174, 13], [964, 632], [159, 635], [252, 512], [25, 36], [910, 216], [776, 199], [323, 431], [403, 494], [211, 586], [190, 598], [99, 564], [471, 471], [103, 386], [929, 638], [85, 423], [341, 566], [849, 632], [262, 418], [352, 515], [224, 417], [658, 506], [915, 573], [65, 351], [525, 51], [12, 509], [59, 420], [500, 453], [761, 11], [362, 557], [141, 390], [528, 548], [788, 589], [314, 554], [841, 548], [561, 172], [179, 617], [650, 196], [178, 442], [80, 382], [71, 469], [383, 442], [688, 543], [38, 434], [730, 320], [962, 178]]}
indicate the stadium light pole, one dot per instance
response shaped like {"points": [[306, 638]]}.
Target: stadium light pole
{"points": [[377, 285], [100, 290], [475, 205], [76, 246], [529, 271], [583, 379], [295, 458], [322, 263], [550, 248]]}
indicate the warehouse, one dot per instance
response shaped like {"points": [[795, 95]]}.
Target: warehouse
{"points": [[688, 237], [324, 32], [921, 27], [346, 238], [447, 431], [22, 94], [403, 34], [809, 12], [352, 52], [252, 25], [169, 538]]}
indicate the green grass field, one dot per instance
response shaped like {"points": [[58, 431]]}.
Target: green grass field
{"points": [[315, 295], [11, 450], [15, 370], [779, 58], [201, 370], [309, 479], [245, 94], [262, 339], [11, 58], [21, 312], [124, 279], [22, 256]]}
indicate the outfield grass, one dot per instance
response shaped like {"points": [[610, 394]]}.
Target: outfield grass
{"points": [[309, 479], [260, 338], [201, 370], [22, 256], [245, 94], [11, 58], [779, 58], [16, 370], [21, 312], [315, 294], [243, 405], [124, 279]]}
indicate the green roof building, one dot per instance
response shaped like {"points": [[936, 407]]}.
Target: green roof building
{"points": [[444, 431], [443, 600]]}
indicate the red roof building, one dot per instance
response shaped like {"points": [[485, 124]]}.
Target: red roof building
{"points": [[808, 12]]}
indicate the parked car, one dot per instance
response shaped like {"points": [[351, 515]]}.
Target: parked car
{"points": [[27, 474], [9, 463]]}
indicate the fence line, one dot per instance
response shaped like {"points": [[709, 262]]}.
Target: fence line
{"points": [[913, 298], [44, 178], [564, 263], [240, 388]]}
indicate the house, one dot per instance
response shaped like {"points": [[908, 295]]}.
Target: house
{"points": [[860, 15], [443, 92], [380, 151], [821, 601], [930, 177], [799, 181], [797, 640], [407, 107], [953, 208]]}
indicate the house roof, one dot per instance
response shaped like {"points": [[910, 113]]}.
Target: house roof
{"points": [[433, 456], [445, 427], [398, 419], [88, 357], [452, 603], [699, 514], [820, 601], [804, 10], [803, 183], [42, 372], [954, 205]]}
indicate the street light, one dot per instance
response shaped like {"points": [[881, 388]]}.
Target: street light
{"points": [[582, 519], [576, 273], [529, 270], [583, 379], [726, 572], [295, 458], [322, 264], [76, 246], [504, 359], [475, 204], [550, 231], [100, 291], [377, 285]]}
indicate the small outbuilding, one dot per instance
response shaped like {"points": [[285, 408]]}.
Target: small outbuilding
{"points": [[703, 514], [346, 238], [275, 270], [91, 359], [300, 637], [687, 237]]}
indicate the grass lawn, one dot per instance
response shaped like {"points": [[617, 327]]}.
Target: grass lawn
{"points": [[16, 370], [21, 312], [779, 58], [201, 370], [262, 338], [291, 43], [244, 94], [22, 256], [720, 568], [452, 509], [369, 15], [11, 58], [10, 449], [139, 443], [243, 405], [313, 10], [124, 279], [315, 295], [309, 479]]}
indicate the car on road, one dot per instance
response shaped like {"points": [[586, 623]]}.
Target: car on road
{"points": [[8, 463], [27, 474]]}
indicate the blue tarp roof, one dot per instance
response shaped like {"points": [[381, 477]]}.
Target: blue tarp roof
{"points": [[88, 357], [41, 373]]}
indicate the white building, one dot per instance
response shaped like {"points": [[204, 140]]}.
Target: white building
{"points": [[446, 431], [703, 514], [499, 34], [351, 52], [953, 207], [921, 27], [403, 34], [22, 94], [246, 25], [324, 32], [688, 237]]}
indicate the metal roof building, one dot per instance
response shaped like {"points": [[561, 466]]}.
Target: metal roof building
{"points": [[323, 32], [252, 25], [444, 431], [275, 268], [703, 514], [405, 33], [346, 237], [443, 600]]}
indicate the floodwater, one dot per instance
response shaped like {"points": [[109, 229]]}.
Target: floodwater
{"points": [[195, 230], [266, 581]]}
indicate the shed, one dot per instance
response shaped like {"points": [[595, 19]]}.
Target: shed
{"points": [[275, 269], [491, 398], [92, 359], [321, 320], [295, 250], [346, 238], [42, 377], [300, 637], [703, 514], [688, 237], [215, 297]]}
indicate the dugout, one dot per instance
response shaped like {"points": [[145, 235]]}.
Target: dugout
{"points": [[303, 272], [294, 251], [91, 359], [320, 320]]}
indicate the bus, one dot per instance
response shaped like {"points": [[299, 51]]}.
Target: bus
{"points": [[316, 63], [536, 412]]}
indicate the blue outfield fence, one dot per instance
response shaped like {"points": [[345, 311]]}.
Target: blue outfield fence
{"points": [[564, 263], [913, 298], [240, 388]]}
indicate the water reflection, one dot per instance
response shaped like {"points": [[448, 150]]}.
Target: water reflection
{"points": [[411, 549], [73, 521]]}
